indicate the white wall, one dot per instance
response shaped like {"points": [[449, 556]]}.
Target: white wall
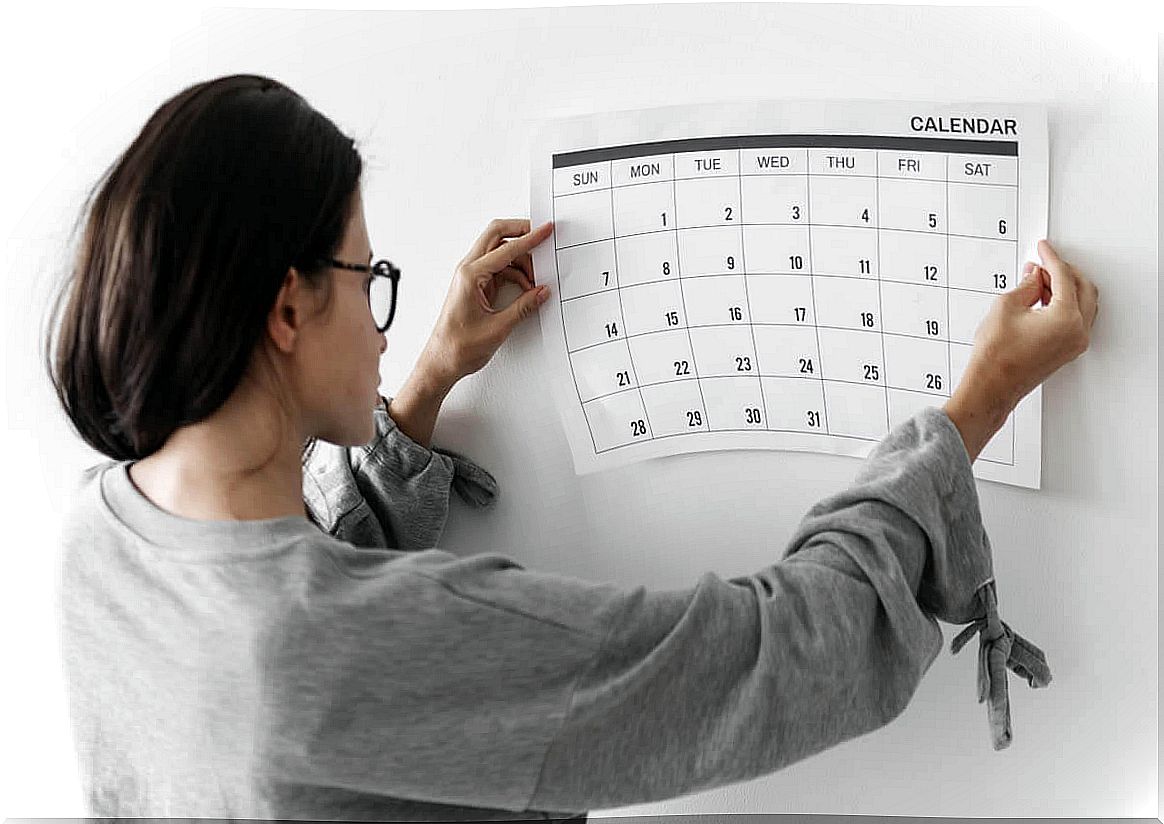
{"points": [[441, 103]]}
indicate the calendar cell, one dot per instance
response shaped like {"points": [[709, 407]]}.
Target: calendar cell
{"points": [[917, 205], [647, 258], [787, 352], [709, 201], [967, 309], [785, 299], [912, 166], [675, 408], [584, 178], [645, 207], [839, 250], [842, 201], [774, 199], [856, 411], [647, 169], [912, 257], [959, 358], [983, 265], [851, 356], [653, 307], [663, 357], [998, 169], [733, 403], [724, 352], [603, 370], [716, 301], [776, 249], [707, 164], [710, 251], [1000, 448], [904, 405], [582, 218], [914, 310], [592, 320], [617, 420], [983, 211], [853, 162], [795, 405], [773, 162], [919, 365], [847, 303], [586, 269]]}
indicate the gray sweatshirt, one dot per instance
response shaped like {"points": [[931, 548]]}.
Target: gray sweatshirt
{"points": [[347, 668]]}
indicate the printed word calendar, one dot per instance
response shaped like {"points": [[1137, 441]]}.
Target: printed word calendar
{"points": [[795, 275]]}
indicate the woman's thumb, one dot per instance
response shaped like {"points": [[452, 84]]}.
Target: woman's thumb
{"points": [[1029, 290], [525, 305]]}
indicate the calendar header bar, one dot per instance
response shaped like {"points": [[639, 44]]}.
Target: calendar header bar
{"points": [[783, 141]]}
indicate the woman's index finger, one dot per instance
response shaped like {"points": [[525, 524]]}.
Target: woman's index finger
{"points": [[497, 230], [510, 250]]}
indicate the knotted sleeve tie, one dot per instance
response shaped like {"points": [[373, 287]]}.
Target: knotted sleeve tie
{"points": [[1000, 647]]}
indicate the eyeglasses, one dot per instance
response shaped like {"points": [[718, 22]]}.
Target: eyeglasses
{"points": [[381, 290]]}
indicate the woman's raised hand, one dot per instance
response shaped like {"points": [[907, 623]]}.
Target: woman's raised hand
{"points": [[470, 328], [1017, 348]]}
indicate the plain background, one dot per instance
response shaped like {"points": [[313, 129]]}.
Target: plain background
{"points": [[441, 104]]}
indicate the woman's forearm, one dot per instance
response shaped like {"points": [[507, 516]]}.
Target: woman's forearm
{"points": [[416, 405], [978, 415]]}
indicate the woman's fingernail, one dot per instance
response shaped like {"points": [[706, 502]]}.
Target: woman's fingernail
{"points": [[543, 293]]}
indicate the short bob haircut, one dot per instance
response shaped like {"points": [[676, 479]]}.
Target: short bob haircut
{"points": [[185, 248]]}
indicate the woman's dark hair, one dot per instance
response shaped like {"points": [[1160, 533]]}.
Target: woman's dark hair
{"points": [[185, 249]]}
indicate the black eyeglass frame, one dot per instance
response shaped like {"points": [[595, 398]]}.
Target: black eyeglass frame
{"points": [[382, 269]]}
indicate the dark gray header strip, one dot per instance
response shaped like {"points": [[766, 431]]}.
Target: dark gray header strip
{"points": [[789, 141]]}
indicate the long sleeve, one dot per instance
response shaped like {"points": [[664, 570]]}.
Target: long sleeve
{"points": [[390, 492], [738, 678], [476, 681]]}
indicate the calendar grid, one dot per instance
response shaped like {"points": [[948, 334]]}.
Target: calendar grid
{"points": [[824, 245]]}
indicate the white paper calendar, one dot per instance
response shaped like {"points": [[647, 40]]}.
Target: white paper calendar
{"points": [[794, 275]]}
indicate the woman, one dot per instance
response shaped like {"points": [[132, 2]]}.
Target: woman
{"points": [[232, 653]]}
